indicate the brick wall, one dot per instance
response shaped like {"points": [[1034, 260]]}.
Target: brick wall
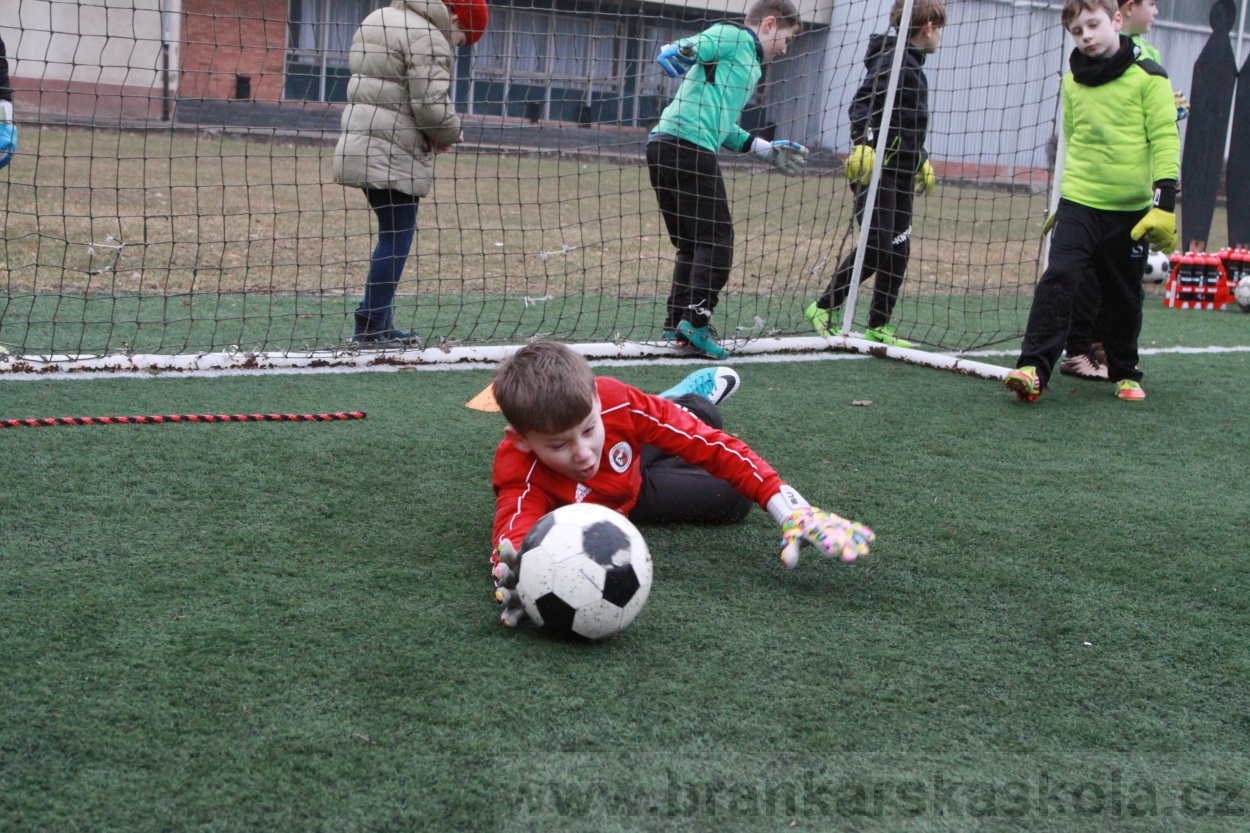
{"points": [[223, 39]]}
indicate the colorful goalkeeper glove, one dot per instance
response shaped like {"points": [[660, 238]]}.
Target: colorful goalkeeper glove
{"points": [[926, 180], [1159, 224], [1049, 223], [677, 58], [858, 166], [788, 157], [1182, 105], [829, 533], [8, 133], [803, 524], [505, 567]]}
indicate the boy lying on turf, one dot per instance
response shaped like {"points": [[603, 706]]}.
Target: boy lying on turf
{"points": [[576, 438]]}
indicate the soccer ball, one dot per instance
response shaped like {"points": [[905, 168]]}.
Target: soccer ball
{"points": [[1158, 268], [584, 572], [1242, 293]]}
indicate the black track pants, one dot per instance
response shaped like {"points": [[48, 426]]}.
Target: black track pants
{"points": [[691, 191], [888, 250], [1088, 239], [674, 491]]}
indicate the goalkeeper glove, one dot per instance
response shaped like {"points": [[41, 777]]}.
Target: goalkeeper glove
{"points": [[677, 58], [8, 133], [1159, 224], [803, 524], [1049, 223], [505, 567], [926, 180], [1182, 105], [831, 534], [788, 157], [858, 165]]}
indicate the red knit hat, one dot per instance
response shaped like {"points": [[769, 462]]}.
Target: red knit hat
{"points": [[473, 16]]}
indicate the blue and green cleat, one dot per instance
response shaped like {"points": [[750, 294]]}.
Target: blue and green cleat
{"points": [[701, 340], [714, 383]]}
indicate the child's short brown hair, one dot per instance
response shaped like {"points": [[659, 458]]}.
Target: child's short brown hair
{"points": [[1072, 8], [785, 12], [923, 12], [545, 387]]}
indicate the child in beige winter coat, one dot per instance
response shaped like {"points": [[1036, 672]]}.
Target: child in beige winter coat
{"points": [[399, 114]]}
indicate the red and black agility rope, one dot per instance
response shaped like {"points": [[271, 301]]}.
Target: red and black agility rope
{"points": [[162, 420]]}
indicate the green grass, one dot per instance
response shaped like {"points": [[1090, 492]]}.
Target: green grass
{"points": [[289, 627]]}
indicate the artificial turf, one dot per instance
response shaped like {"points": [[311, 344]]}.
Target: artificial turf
{"points": [[289, 626]]}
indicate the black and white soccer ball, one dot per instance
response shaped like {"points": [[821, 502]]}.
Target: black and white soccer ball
{"points": [[584, 572], [1158, 268], [1242, 293]]}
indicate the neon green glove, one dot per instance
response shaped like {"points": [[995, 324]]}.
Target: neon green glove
{"points": [[926, 180], [829, 533], [505, 567], [1159, 224], [858, 166], [1159, 228], [1049, 224]]}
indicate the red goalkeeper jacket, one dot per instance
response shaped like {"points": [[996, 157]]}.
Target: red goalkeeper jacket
{"points": [[525, 489]]}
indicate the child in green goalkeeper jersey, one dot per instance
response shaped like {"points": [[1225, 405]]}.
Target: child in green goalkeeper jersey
{"points": [[1085, 358], [721, 66], [1119, 194]]}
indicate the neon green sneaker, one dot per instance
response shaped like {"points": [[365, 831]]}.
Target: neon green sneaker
{"points": [[702, 340], [820, 319], [1129, 391], [885, 335], [1025, 382]]}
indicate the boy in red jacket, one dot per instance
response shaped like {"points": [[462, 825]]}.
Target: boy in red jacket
{"points": [[575, 438]]}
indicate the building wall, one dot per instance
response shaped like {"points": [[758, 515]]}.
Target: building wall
{"points": [[91, 60], [226, 39]]}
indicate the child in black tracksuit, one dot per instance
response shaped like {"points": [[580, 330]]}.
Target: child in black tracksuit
{"points": [[905, 172]]}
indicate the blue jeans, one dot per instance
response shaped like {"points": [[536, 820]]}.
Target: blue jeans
{"points": [[397, 226]]}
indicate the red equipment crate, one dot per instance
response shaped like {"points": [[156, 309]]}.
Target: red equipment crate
{"points": [[1198, 281]]}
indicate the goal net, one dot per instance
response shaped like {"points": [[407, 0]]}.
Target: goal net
{"points": [[172, 192]]}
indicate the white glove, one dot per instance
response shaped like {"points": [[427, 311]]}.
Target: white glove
{"points": [[8, 133], [788, 157], [505, 567]]}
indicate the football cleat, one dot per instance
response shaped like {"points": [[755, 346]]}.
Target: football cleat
{"points": [[820, 319], [885, 335], [714, 383], [387, 338], [1025, 382], [1084, 367], [1129, 391], [702, 340]]}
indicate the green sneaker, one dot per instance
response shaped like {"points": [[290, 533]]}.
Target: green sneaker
{"points": [[1025, 383], [702, 340], [1129, 391], [820, 319], [885, 335]]}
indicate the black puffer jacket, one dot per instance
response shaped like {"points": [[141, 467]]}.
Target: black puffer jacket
{"points": [[910, 120]]}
